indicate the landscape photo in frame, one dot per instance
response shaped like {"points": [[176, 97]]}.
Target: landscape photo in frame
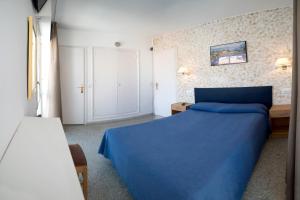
{"points": [[226, 54]]}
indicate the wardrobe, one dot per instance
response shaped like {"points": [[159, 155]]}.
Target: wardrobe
{"points": [[115, 83]]}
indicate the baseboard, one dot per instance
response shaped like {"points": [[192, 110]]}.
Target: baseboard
{"points": [[121, 119]]}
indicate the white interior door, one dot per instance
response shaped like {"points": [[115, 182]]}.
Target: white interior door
{"points": [[165, 65], [72, 64]]}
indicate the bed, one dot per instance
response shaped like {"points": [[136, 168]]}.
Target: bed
{"points": [[207, 152]]}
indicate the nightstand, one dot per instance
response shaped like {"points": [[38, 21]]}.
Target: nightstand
{"points": [[179, 107], [280, 119]]}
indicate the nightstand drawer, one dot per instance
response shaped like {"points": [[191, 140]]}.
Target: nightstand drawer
{"points": [[280, 123]]}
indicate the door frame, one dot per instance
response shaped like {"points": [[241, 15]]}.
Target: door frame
{"points": [[117, 116], [85, 78], [154, 78]]}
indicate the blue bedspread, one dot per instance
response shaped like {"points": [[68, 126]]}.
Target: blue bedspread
{"points": [[205, 153]]}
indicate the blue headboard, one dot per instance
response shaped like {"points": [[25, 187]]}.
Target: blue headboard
{"points": [[261, 94]]}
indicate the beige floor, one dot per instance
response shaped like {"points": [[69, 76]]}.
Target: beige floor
{"points": [[267, 182]]}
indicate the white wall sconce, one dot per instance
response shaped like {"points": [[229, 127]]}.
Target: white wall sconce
{"points": [[282, 63], [184, 71]]}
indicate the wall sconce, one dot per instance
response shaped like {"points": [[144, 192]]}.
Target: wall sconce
{"points": [[184, 71], [282, 63]]}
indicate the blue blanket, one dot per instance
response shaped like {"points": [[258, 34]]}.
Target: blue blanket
{"points": [[205, 153]]}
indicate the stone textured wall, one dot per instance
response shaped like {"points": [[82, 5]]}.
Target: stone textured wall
{"points": [[268, 35]]}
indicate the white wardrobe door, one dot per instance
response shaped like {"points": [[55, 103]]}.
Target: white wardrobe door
{"points": [[128, 82], [105, 82]]}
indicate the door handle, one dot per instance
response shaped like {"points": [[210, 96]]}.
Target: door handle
{"points": [[156, 85], [81, 89]]}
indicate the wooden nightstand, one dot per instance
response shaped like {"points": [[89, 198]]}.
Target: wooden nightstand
{"points": [[179, 107], [280, 119]]}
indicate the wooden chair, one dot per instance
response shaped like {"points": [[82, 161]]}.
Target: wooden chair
{"points": [[81, 166]]}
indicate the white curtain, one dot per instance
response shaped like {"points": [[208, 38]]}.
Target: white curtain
{"points": [[53, 93]]}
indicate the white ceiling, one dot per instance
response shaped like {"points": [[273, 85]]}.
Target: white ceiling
{"points": [[151, 17]]}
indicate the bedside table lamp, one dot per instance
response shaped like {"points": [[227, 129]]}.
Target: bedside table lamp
{"points": [[282, 63], [183, 71]]}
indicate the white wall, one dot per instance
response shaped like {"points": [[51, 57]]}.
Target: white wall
{"points": [[90, 39], [13, 65], [153, 17]]}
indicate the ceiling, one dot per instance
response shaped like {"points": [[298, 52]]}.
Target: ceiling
{"points": [[151, 17]]}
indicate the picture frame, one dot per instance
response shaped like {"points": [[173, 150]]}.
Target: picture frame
{"points": [[230, 53]]}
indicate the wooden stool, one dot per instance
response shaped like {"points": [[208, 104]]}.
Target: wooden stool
{"points": [[80, 165]]}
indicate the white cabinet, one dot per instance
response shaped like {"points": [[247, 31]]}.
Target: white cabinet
{"points": [[115, 83], [38, 164]]}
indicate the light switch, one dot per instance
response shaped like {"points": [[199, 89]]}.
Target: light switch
{"points": [[189, 92]]}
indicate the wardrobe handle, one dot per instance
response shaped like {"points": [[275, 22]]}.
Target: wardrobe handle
{"points": [[156, 85]]}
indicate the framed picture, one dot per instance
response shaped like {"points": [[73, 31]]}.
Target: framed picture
{"points": [[226, 54], [32, 59]]}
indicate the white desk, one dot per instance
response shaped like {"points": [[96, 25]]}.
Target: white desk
{"points": [[38, 164]]}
